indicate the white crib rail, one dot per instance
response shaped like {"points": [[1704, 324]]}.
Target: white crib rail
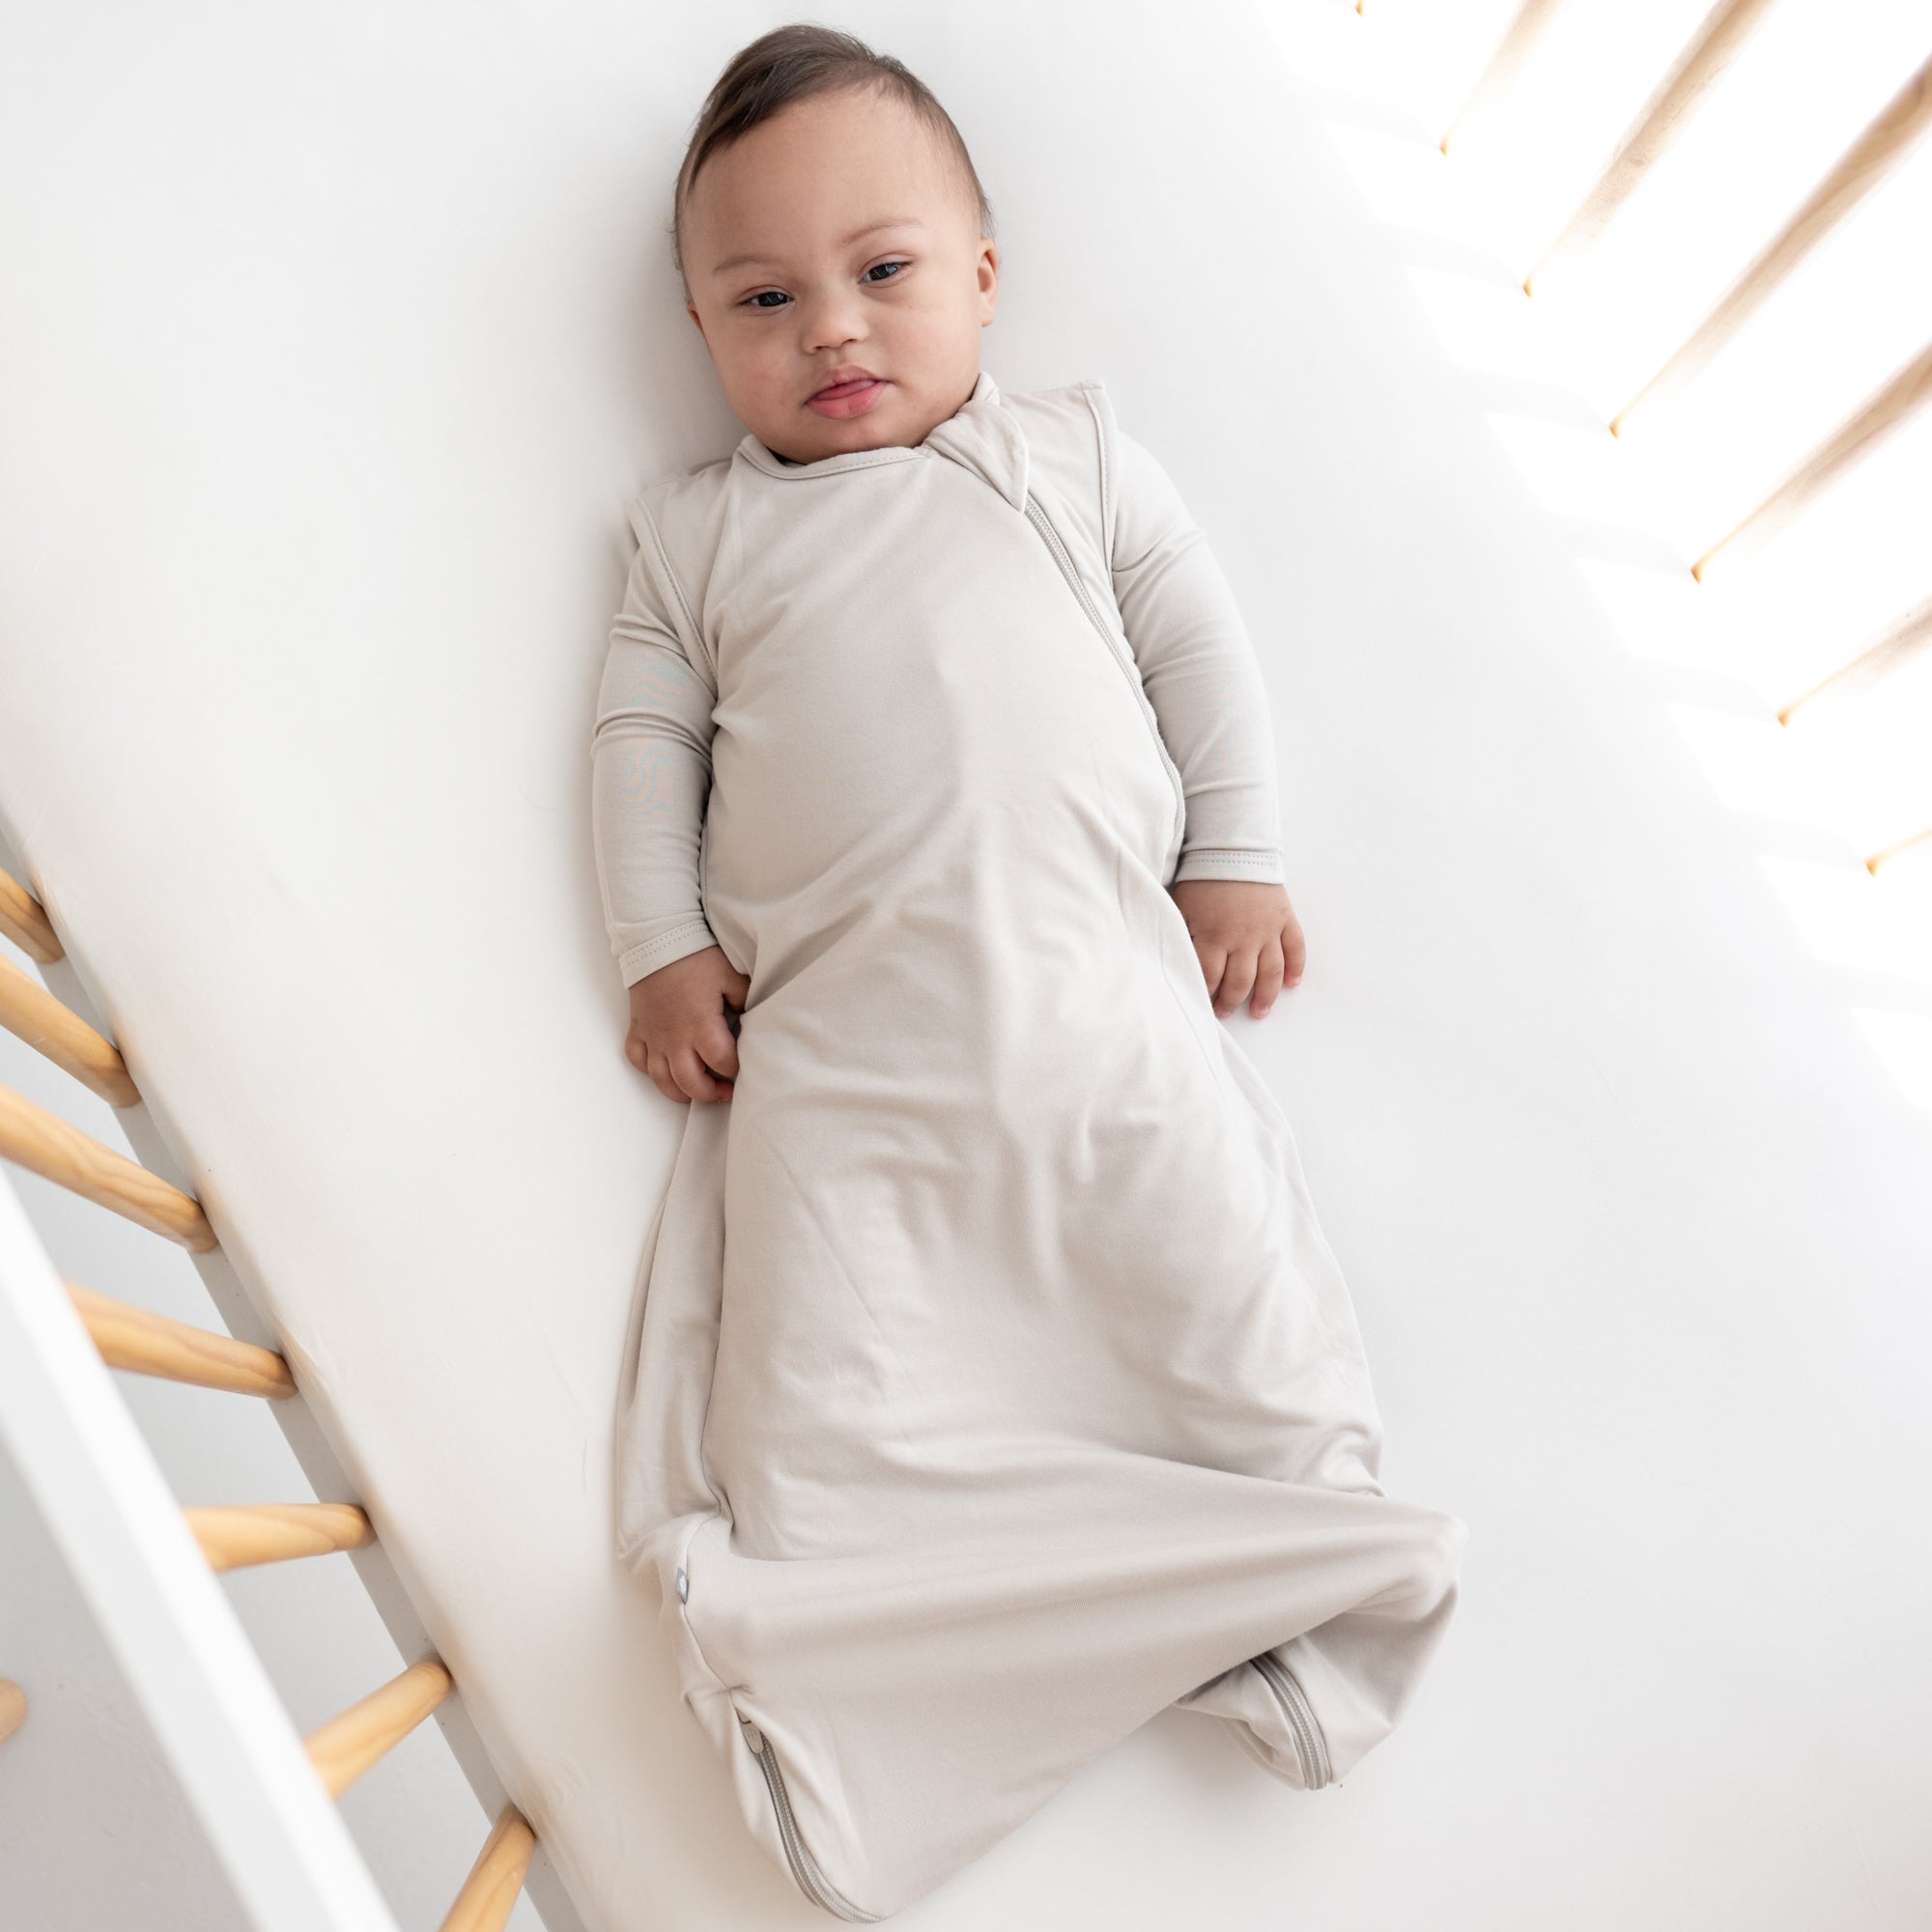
{"points": [[129, 1549], [146, 1566]]}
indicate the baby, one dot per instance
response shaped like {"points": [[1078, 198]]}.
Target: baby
{"points": [[838, 266], [993, 1387]]}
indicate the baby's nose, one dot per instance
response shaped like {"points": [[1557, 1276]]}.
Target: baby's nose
{"points": [[831, 319]]}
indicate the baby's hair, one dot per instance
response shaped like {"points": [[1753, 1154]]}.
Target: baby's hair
{"points": [[790, 63]]}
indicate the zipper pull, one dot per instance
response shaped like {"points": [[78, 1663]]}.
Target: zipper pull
{"points": [[754, 1737]]}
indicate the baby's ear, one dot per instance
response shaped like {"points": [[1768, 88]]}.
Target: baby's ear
{"points": [[988, 277]]}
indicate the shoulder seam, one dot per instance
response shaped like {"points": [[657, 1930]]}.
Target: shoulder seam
{"points": [[671, 577], [1100, 405]]}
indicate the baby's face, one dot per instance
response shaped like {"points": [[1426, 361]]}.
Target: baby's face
{"points": [[837, 241]]}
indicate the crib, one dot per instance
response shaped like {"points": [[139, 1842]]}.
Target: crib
{"points": [[336, 353]]}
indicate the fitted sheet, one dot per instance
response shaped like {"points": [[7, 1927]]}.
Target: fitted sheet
{"points": [[312, 491]]}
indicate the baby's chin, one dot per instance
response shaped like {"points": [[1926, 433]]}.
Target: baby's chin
{"points": [[891, 419], [810, 444]]}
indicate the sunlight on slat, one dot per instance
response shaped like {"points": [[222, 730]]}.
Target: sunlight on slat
{"points": [[1852, 770], [1672, 105], [1881, 149], [1587, 75], [1499, 79], [1903, 398], [1847, 567], [1742, 165], [1856, 311], [1900, 644]]}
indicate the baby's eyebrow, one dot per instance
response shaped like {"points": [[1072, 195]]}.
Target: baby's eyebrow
{"points": [[857, 234]]}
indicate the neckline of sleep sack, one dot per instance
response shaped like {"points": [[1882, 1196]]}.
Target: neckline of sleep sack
{"points": [[772, 464], [982, 436]]}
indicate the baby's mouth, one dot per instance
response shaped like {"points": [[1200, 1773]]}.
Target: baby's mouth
{"points": [[847, 399]]}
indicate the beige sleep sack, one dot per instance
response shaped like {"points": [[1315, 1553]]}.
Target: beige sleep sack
{"points": [[992, 1386]]}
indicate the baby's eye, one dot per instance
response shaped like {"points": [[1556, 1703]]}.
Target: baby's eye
{"points": [[759, 301], [877, 265]]}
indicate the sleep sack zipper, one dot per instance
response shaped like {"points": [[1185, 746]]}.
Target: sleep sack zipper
{"points": [[804, 1868], [1309, 1746], [1037, 516]]}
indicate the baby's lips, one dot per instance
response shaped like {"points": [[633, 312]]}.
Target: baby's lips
{"points": [[851, 377]]}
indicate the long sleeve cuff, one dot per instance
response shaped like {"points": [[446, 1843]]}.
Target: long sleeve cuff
{"points": [[689, 936], [1224, 862]]}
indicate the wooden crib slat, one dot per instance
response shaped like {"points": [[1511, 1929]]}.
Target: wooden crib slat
{"points": [[489, 1895], [12, 1708], [1720, 39], [178, 1351], [347, 1745], [232, 1537], [1497, 78], [24, 920], [1896, 645], [1882, 414], [1911, 845], [46, 1145], [32, 1013], [1860, 168]]}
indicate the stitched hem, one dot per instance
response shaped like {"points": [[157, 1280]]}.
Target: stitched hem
{"points": [[693, 936], [1213, 862]]}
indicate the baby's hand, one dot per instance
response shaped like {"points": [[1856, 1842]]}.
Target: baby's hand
{"points": [[679, 1034], [1248, 938]]}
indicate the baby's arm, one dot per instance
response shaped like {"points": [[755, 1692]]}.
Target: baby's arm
{"points": [[650, 781], [1199, 671]]}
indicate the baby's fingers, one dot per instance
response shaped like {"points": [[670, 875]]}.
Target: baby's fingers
{"points": [[1295, 949], [717, 1049], [693, 1075], [1213, 963], [1237, 981], [1268, 979], [658, 1066]]}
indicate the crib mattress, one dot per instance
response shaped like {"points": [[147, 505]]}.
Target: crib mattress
{"points": [[313, 528]]}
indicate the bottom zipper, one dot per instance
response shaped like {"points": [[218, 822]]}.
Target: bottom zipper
{"points": [[1309, 1746], [804, 1868]]}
